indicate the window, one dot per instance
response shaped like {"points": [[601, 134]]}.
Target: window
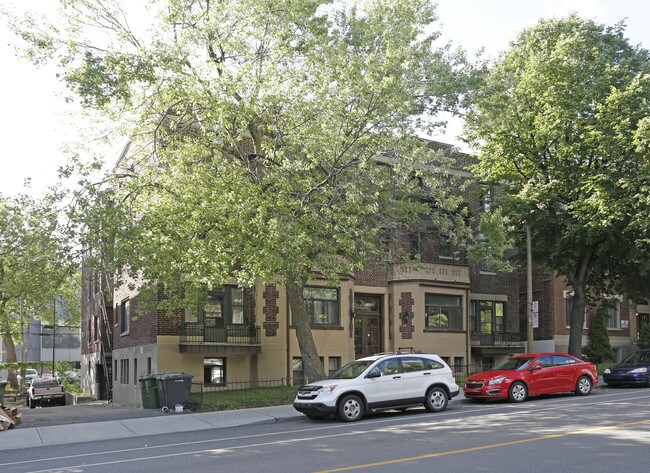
{"points": [[237, 304], [486, 199], [214, 370], [613, 314], [487, 316], [415, 363], [443, 312], [218, 307], [444, 246], [135, 371], [125, 315], [322, 305], [561, 360], [148, 365], [459, 364], [298, 374], [124, 371], [333, 364], [569, 308]]}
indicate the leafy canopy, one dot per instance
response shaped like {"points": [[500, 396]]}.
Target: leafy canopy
{"points": [[561, 125], [268, 139]]}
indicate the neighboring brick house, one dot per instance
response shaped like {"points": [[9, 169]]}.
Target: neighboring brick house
{"points": [[625, 317]]}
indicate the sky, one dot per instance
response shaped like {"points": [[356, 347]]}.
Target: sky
{"points": [[35, 125]]}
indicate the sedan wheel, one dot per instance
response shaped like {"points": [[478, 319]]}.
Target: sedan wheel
{"points": [[350, 409], [436, 400], [583, 386], [518, 392]]}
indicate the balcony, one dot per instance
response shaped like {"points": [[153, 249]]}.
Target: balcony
{"points": [[497, 343], [227, 340]]}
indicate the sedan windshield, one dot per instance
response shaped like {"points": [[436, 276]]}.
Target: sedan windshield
{"points": [[513, 364], [637, 357], [351, 370]]}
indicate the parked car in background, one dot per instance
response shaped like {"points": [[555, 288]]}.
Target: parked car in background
{"points": [[526, 375], [379, 382], [633, 370], [45, 391], [30, 373], [67, 376]]}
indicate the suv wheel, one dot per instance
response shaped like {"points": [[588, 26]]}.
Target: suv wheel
{"points": [[436, 400], [350, 408], [31, 403]]}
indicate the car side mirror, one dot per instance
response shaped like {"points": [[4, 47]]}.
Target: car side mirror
{"points": [[535, 367], [374, 374]]}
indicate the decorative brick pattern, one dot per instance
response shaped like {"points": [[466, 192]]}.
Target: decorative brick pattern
{"points": [[270, 310], [351, 324], [406, 328]]}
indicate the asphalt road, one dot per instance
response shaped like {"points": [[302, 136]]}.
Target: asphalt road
{"points": [[606, 431]]}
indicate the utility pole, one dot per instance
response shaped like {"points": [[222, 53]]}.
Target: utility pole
{"points": [[529, 292], [53, 335]]}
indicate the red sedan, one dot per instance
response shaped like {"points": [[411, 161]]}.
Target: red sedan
{"points": [[526, 375]]}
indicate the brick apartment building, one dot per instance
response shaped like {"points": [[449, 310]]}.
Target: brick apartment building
{"points": [[442, 303]]}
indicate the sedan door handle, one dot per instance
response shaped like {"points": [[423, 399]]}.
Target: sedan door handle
{"points": [[425, 374], [396, 377]]}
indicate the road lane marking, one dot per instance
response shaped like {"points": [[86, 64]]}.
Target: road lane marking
{"points": [[482, 447], [368, 425]]}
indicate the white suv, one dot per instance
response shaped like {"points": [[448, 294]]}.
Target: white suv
{"points": [[379, 382]]}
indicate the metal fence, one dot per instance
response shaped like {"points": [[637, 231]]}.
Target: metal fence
{"points": [[271, 392], [243, 394]]}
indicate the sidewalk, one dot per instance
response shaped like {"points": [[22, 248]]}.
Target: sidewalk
{"points": [[21, 437]]}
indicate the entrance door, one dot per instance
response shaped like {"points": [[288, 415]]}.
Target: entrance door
{"points": [[367, 325]]}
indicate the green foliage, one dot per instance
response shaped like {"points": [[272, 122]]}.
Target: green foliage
{"points": [[36, 267], [599, 348], [559, 124], [259, 136], [644, 337]]}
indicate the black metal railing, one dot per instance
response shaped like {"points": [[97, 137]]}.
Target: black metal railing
{"points": [[507, 339], [243, 394], [199, 334]]}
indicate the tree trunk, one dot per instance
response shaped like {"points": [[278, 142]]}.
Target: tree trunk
{"points": [[577, 319], [10, 350], [312, 366]]}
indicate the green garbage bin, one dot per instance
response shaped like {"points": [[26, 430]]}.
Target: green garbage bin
{"points": [[174, 388], [3, 384], [150, 393]]}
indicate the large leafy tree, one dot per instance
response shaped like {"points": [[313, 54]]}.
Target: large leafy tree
{"points": [[36, 269], [269, 139], [561, 125]]}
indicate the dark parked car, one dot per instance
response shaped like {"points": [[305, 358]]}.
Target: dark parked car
{"points": [[521, 376], [633, 370]]}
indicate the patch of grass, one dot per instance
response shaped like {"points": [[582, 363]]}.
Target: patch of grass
{"points": [[245, 398]]}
